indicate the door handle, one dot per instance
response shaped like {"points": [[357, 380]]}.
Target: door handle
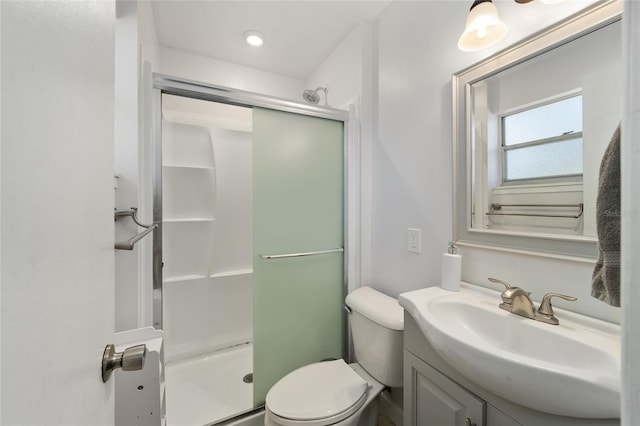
{"points": [[467, 422], [130, 359]]}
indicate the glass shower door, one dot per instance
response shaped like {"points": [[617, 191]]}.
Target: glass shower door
{"points": [[298, 168]]}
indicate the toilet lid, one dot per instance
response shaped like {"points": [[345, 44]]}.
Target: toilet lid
{"points": [[316, 391]]}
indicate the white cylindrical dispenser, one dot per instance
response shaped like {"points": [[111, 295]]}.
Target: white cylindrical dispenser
{"points": [[451, 269]]}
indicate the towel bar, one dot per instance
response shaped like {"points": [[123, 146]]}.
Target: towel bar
{"points": [[129, 244], [498, 206], [310, 253]]}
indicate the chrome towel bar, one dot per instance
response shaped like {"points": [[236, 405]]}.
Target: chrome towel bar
{"points": [[128, 245], [309, 253], [496, 206], [119, 214]]}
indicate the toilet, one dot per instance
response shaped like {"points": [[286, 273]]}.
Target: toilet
{"points": [[341, 394]]}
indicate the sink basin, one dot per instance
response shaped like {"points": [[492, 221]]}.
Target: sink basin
{"points": [[571, 369]]}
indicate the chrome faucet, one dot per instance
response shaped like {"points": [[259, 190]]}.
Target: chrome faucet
{"points": [[518, 301]]}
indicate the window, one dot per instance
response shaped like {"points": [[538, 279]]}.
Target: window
{"points": [[535, 172], [543, 142]]}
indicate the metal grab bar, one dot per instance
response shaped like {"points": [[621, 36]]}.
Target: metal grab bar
{"points": [[309, 253], [128, 245], [497, 206]]}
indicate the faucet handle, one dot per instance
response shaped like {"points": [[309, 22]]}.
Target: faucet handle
{"points": [[545, 306], [546, 309], [497, 281]]}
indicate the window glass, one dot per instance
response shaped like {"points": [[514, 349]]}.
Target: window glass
{"points": [[543, 141], [553, 159], [544, 121]]}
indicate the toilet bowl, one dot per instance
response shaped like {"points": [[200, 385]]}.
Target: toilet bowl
{"points": [[324, 393], [341, 394]]}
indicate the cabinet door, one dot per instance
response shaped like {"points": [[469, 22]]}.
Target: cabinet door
{"points": [[432, 399], [496, 417]]}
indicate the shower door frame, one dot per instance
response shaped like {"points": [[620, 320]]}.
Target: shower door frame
{"points": [[164, 84]]}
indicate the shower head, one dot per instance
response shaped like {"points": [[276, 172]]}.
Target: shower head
{"points": [[312, 96]]}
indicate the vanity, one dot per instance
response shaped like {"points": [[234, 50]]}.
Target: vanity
{"points": [[468, 362]]}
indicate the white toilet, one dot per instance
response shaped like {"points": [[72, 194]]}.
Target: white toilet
{"points": [[336, 393]]}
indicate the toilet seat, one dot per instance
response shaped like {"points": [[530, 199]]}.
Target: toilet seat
{"points": [[318, 394], [283, 421]]}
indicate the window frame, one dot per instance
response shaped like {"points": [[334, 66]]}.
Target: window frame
{"points": [[504, 148]]}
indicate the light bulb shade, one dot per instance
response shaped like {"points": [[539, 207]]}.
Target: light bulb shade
{"points": [[483, 29]]}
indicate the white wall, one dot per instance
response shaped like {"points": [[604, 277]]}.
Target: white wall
{"points": [[341, 71], [412, 166], [126, 161], [194, 67], [411, 185], [147, 36]]}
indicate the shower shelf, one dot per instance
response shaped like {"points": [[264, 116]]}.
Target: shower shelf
{"points": [[185, 166], [234, 273], [184, 278]]}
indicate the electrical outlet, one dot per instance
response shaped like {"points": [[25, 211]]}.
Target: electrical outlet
{"points": [[414, 240]]}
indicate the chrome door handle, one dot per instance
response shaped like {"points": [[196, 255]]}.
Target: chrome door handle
{"points": [[467, 422], [130, 359]]}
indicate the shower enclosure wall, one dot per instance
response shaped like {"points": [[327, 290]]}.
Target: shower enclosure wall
{"points": [[245, 190], [207, 254]]}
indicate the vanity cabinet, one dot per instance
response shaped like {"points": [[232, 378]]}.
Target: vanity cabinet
{"points": [[437, 395], [435, 400]]}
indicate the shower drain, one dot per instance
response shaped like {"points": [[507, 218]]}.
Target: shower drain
{"points": [[248, 378]]}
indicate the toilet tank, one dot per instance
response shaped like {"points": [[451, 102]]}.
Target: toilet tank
{"points": [[377, 323]]}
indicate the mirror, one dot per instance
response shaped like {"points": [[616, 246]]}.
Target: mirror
{"points": [[530, 126]]}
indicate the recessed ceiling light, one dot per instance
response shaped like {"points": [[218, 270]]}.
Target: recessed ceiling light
{"points": [[254, 38]]}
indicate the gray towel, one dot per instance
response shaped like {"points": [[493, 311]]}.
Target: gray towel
{"points": [[605, 282]]}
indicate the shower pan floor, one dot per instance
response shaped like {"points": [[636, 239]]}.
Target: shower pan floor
{"points": [[209, 388]]}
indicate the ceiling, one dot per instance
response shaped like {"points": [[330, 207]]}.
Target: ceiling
{"points": [[299, 35]]}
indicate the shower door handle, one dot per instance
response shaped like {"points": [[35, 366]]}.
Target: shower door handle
{"points": [[309, 253]]}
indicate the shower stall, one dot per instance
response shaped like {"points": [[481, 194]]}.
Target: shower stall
{"points": [[249, 265]]}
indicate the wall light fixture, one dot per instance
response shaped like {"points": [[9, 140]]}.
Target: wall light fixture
{"points": [[483, 28]]}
